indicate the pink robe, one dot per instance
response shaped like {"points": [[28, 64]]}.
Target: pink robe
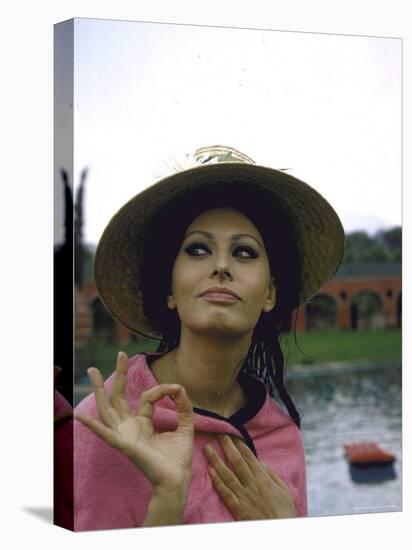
{"points": [[63, 462], [110, 492]]}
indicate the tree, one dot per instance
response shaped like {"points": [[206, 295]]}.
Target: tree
{"points": [[78, 231], [385, 246], [393, 241]]}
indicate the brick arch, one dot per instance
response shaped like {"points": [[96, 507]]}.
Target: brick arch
{"points": [[103, 322], [351, 286], [121, 333], [310, 318], [343, 289], [370, 290], [356, 318]]}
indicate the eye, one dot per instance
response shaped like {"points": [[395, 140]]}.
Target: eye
{"points": [[245, 252], [197, 249]]}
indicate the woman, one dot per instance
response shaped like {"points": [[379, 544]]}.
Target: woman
{"points": [[213, 260]]}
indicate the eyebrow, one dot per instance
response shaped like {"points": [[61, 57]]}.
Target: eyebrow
{"points": [[235, 237]]}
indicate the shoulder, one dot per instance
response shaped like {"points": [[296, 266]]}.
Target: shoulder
{"points": [[283, 420], [273, 423]]}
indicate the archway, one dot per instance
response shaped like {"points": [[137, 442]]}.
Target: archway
{"points": [[103, 323], [367, 310], [321, 312]]}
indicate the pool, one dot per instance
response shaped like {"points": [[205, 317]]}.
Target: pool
{"points": [[348, 404]]}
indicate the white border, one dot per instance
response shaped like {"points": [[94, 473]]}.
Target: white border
{"points": [[27, 246]]}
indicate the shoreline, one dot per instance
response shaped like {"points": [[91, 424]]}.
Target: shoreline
{"points": [[300, 369], [295, 370]]}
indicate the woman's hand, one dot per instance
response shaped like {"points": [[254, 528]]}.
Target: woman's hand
{"points": [[164, 458], [248, 488]]}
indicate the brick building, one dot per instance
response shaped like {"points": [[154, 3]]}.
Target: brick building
{"points": [[359, 296]]}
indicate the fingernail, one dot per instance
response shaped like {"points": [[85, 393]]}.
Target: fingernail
{"points": [[209, 450]]}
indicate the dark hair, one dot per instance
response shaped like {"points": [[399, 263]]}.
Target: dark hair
{"points": [[265, 359]]}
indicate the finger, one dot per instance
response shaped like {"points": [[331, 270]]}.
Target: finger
{"points": [[253, 463], [120, 375], [148, 398], [106, 411], [228, 477], [107, 434], [184, 410], [228, 497], [235, 458], [119, 385]]}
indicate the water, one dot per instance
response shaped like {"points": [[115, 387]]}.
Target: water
{"points": [[341, 405]]}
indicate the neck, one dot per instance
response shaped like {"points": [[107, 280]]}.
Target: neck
{"points": [[207, 368]]}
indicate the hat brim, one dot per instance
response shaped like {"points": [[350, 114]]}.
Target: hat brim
{"points": [[319, 232]]}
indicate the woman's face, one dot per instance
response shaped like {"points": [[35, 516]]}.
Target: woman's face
{"points": [[221, 279]]}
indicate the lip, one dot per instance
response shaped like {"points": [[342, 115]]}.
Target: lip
{"points": [[220, 294]]}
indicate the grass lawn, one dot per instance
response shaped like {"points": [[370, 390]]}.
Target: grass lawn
{"points": [[317, 347], [378, 345], [103, 355]]}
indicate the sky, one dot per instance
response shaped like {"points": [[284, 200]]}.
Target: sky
{"points": [[326, 107]]}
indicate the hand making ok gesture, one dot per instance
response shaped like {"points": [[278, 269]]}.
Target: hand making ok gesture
{"points": [[164, 458]]}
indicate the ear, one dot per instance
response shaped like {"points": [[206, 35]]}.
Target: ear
{"points": [[271, 297], [171, 302]]}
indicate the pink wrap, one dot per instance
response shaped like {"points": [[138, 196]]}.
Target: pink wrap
{"points": [[110, 492], [63, 462]]}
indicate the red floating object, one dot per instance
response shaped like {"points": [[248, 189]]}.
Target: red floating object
{"points": [[367, 453]]}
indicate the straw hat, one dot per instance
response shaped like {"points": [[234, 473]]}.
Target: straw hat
{"points": [[118, 259]]}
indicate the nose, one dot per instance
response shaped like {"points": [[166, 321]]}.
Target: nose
{"points": [[222, 275], [222, 270]]}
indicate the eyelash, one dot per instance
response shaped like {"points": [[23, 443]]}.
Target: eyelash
{"points": [[196, 246]]}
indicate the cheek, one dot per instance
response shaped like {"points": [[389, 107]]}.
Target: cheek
{"points": [[184, 277], [258, 283]]}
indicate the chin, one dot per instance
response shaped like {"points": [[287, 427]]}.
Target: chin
{"points": [[221, 328]]}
